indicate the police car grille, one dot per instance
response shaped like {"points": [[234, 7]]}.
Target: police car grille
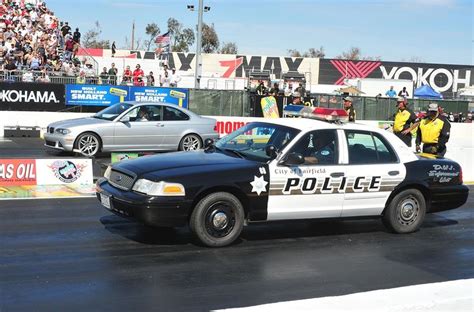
{"points": [[121, 180]]}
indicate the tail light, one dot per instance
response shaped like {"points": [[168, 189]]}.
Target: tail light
{"points": [[460, 175]]}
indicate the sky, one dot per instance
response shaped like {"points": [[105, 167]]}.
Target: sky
{"points": [[432, 31]]}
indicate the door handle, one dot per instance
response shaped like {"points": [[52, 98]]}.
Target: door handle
{"points": [[337, 174], [160, 125], [393, 173]]}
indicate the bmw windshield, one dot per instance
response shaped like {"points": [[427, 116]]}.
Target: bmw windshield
{"points": [[251, 140], [112, 112]]}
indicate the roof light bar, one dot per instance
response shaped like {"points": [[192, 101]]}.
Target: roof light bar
{"points": [[319, 113]]}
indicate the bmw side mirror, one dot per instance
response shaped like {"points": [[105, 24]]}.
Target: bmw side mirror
{"points": [[271, 151], [125, 119], [294, 159]]}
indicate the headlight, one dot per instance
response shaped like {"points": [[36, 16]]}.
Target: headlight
{"points": [[107, 172], [158, 188], [63, 131]]}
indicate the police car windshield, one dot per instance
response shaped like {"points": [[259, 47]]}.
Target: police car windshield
{"points": [[251, 140], [111, 112]]}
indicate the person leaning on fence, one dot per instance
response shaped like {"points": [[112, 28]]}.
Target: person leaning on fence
{"points": [[403, 119], [349, 108], [433, 132], [296, 99], [261, 88], [104, 76], [113, 71]]}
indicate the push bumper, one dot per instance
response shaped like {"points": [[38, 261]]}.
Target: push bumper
{"points": [[448, 197], [155, 211]]}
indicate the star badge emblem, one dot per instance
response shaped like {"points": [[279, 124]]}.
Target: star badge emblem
{"points": [[259, 185]]}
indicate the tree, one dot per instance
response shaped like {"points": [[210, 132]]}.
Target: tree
{"points": [[91, 38], [315, 53], [151, 30], [294, 53], [182, 38], [355, 54], [210, 40], [229, 48], [312, 52]]}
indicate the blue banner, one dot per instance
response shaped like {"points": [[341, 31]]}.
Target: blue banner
{"points": [[94, 95], [175, 96]]}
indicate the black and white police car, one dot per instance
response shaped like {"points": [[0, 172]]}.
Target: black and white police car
{"points": [[281, 169]]}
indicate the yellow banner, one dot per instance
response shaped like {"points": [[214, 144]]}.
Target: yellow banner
{"points": [[269, 107]]}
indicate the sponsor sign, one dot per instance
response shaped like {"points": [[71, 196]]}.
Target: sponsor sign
{"points": [[159, 95], [19, 96], [64, 171], [92, 95], [444, 78], [269, 107], [86, 95], [17, 172]]}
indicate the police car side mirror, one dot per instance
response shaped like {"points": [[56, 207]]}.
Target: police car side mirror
{"points": [[208, 143], [271, 151], [125, 119], [293, 159]]}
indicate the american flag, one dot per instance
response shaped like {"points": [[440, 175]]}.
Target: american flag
{"points": [[163, 39]]}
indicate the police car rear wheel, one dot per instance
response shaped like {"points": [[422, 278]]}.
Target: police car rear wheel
{"points": [[405, 212], [217, 219]]}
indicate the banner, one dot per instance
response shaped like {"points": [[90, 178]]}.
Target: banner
{"points": [[175, 96], [18, 96], [17, 172], [269, 107], [64, 171], [92, 95], [446, 79]]}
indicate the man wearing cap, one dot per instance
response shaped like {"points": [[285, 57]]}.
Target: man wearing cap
{"points": [[349, 109], [403, 119], [296, 99], [433, 132]]}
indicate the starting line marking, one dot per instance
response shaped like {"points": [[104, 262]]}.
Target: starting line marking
{"points": [[446, 296]]}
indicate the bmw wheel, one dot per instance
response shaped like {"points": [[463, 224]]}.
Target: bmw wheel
{"points": [[218, 219], [88, 144], [190, 142], [406, 212]]}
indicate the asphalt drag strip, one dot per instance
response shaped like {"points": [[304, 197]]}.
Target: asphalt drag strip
{"points": [[71, 254]]}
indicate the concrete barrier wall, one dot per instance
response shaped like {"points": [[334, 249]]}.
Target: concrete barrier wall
{"points": [[460, 145]]}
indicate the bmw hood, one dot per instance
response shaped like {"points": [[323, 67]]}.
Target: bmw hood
{"points": [[185, 161], [78, 122]]}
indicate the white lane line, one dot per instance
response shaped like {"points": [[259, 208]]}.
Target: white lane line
{"points": [[5, 140], [452, 296]]}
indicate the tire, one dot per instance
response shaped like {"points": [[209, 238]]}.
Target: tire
{"points": [[406, 212], [88, 144], [190, 142], [218, 219]]}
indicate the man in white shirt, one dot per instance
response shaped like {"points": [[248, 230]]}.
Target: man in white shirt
{"points": [[175, 78]]}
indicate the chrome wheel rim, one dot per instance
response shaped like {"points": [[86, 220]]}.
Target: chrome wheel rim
{"points": [[88, 145], [409, 209], [191, 143]]}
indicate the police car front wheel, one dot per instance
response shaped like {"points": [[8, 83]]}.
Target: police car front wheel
{"points": [[218, 219], [406, 211]]}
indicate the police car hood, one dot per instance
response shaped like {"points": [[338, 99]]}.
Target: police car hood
{"points": [[182, 163], [78, 122]]}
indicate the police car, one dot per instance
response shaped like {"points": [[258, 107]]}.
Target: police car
{"points": [[281, 169]]}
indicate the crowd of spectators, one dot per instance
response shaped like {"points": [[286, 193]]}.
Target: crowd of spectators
{"points": [[35, 44]]}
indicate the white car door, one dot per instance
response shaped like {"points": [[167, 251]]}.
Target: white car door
{"points": [[140, 132], [372, 171], [311, 189]]}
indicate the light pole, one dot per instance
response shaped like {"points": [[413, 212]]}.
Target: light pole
{"points": [[201, 9]]}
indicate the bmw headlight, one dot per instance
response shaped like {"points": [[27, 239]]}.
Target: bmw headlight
{"points": [[107, 172], [158, 188], [63, 131]]}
